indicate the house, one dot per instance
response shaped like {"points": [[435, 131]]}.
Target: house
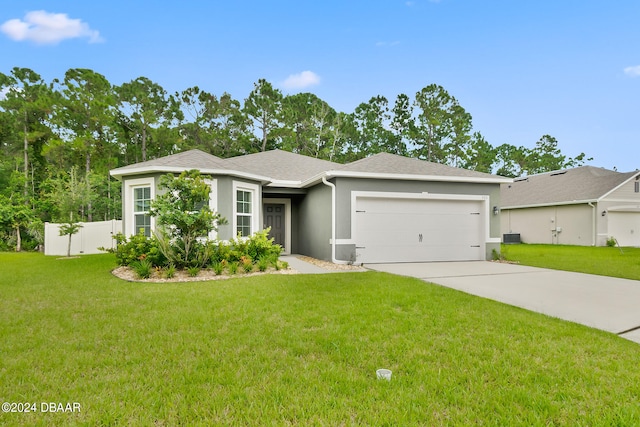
{"points": [[581, 206], [384, 208]]}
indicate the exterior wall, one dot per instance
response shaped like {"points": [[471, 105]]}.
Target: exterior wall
{"points": [[314, 223], [625, 193], [127, 199], [619, 215], [225, 192], [565, 225], [344, 186], [223, 203], [225, 231], [295, 225]]}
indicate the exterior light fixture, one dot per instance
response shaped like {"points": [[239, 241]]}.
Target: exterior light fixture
{"points": [[496, 210]]}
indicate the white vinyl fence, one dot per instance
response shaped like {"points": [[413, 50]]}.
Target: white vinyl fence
{"points": [[92, 235]]}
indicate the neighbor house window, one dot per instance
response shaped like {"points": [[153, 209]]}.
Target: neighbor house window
{"points": [[244, 213], [637, 187], [141, 206]]}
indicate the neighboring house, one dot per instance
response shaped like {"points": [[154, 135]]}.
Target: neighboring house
{"points": [[385, 208], [580, 206]]}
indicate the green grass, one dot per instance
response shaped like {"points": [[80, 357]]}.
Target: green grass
{"points": [[295, 350], [605, 261]]}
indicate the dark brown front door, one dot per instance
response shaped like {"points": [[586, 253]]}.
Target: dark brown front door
{"points": [[274, 218]]}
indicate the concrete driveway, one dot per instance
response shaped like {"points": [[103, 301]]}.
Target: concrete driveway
{"points": [[600, 302]]}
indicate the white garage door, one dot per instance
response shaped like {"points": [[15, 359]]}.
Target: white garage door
{"points": [[625, 227], [418, 229]]}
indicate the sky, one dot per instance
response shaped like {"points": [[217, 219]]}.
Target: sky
{"points": [[522, 69]]}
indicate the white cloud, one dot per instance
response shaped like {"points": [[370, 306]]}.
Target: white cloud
{"points": [[633, 71], [301, 81], [43, 27]]}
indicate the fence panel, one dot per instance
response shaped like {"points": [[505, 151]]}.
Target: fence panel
{"points": [[91, 236]]}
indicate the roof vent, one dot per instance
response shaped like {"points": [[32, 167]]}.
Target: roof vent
{"points": [[558, 173]]}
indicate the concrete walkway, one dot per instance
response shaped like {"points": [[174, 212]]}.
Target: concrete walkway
{"points": [[606, 303], [303, 266]]}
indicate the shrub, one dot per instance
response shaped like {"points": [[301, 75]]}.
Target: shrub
{"points": [[612, 242], [263, 264], [283, 265], [259, 245], [247, 264], [137, 248], [143, 268], [220, 251], [233, 267], [218, 268], [193, 271], [170, 272]]}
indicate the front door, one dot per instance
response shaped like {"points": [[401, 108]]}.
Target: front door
{"points": [[274, 218]]}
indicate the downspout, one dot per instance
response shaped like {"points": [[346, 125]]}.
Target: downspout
{"points": [[333, 222], [593, 223]]}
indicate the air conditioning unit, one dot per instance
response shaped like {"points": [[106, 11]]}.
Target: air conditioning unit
{"points": [[511, 238]]}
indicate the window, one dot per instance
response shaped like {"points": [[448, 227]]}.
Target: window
{"points": [[246, 208], [637, 187], [243, 213], [141, 206]]}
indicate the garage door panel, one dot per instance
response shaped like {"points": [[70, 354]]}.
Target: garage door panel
{"points": [[625, 227], [413, 230]]}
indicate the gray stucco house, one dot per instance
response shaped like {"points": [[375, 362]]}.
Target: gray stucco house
{"points": [[580, 206], [384, 208]]}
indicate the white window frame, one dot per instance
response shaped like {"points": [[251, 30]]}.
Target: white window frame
{"points": [[132, 184], [255, 205]]}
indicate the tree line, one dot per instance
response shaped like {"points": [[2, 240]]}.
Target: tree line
{"points": [[62, 138]]}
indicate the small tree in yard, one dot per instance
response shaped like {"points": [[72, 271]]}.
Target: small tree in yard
{"points": [[16, 215], [184, 215], [69, 196]]}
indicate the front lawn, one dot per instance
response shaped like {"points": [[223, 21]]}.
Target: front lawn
{"points": [[605, 261], [295, 350]]}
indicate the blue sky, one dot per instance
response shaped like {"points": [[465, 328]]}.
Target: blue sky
{"points": [[568, 68]]}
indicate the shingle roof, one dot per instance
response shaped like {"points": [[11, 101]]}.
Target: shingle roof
{"points": [[293, 169], [585, 183], [281, 165], [192, 159], [393, 163]]}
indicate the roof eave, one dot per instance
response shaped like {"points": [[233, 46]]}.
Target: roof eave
{"points": [[547, 204], [119, 174], [417, 177]]}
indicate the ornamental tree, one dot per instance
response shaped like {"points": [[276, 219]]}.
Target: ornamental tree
{"points": [[184, 216]]}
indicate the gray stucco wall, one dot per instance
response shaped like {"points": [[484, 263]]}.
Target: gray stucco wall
{"points": [[225, 205], [344, 187], [314, 223], [225, 208], [295, 225]]}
